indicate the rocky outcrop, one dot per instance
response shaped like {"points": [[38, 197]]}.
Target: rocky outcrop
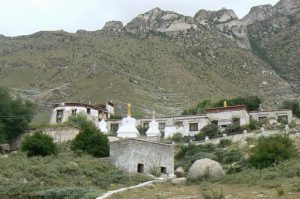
{"points": [[223, 21], [258, 13], [115, 26], [288, 7], [159, 21], [226, 22], [284, 8], [206, 168]]}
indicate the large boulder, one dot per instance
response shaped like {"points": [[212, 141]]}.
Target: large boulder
{"points": [[179, 172], [178, 181], [204, 167]]}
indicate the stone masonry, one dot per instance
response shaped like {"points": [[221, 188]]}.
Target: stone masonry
{"points": [[134, 155]]}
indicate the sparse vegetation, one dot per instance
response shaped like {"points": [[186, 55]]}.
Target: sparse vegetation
{"points": [[66, 174]]}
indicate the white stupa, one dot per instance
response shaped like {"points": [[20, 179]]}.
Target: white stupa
{"points": [[128, 127], [153, 130]]}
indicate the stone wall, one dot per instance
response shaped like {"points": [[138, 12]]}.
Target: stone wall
{"points": [[59, 135], [129, 153]]}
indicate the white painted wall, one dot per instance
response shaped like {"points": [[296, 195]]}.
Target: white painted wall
{"points": [[67, 112]]}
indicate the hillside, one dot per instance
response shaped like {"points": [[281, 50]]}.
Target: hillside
{"points": [[274, 35], [160, 60]]}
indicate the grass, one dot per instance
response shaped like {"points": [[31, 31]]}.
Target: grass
{"points": [[66, 173]]}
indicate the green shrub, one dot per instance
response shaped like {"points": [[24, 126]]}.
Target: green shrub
{"points": [[234, 129], [39, 144], [227, 156], [211, 130], [254, 124], [200, 136], [271, 150], [66, 192], [92, 141], [213, 194], [293, 105], [177, 137], [224, 143]]}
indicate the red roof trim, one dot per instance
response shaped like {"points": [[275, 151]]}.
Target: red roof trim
{"points": [[100, 107], [225, 109]]}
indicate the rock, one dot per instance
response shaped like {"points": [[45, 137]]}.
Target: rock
{"points": [[74, 164], [206, 167], [179, 172], [258, 13], [243, 145], [112, 139], [115, 26], [251, 146], [164, 176], [178, 181], [171, 176], [4, 156]]}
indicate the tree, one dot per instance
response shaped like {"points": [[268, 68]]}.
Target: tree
{"points": [[39, 144], [89, 139], [293, 105], [15, 115]]}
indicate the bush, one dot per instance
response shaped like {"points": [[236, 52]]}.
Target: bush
{"points": [[293, 105], [200, 136], [224, 143], [92, 141], [271, 150], [234, 129], [254, 124], [211, 130], [177, 137], [39, 144], [66, 192]]}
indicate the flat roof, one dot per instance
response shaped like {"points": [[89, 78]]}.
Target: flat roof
{"points": [[225, 109], [78, 104], [141, 140]]}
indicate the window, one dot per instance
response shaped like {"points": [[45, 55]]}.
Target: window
{"points": [[88, 110], [282, 119], [59, 116], [74, 111], [163, 170], [145, 125], [140, 168], [162, 125], [114, 128], [262, 120], [215, 122], [236, 121], [193, 126]]}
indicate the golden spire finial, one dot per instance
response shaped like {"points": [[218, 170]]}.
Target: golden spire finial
{"points": [[153, 115], [225, 104], [129, 110]]}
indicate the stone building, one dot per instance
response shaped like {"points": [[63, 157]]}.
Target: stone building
{"points": [[134, 155], [61, 112], [283, 116]]}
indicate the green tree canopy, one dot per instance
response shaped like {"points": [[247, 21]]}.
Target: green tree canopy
{"points": [[251, 102], [15, 115]]}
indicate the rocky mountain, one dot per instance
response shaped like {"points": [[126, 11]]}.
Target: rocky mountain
{"points": [[274, 33], [161, 60]]}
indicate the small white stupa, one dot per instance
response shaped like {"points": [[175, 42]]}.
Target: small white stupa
{"points": [[102, 125], [128, 128], [153, 130]]}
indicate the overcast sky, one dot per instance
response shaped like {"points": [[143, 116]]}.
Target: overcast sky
{"points": [[20, 17]]}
